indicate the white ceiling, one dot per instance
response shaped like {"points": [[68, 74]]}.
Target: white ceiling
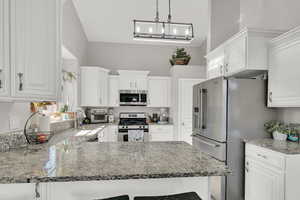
{"points": [[111, 20]]}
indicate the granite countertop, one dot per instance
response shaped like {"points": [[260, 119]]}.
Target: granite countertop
{"points": [[69, 157], [285, 147]]}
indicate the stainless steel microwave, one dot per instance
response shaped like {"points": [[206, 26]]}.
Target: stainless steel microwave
{"points": [[133, 98]]}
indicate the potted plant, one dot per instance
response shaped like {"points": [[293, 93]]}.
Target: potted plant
{"points": [[180, 57], [293, 135], [279, 130]]}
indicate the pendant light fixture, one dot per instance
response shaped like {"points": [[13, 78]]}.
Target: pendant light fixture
{"points": [[163, 31]]}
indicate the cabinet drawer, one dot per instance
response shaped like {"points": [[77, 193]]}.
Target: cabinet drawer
{"points": [[266, 156], [161, 129]]}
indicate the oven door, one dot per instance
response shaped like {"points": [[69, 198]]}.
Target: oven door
{"points": [[123, 135]]}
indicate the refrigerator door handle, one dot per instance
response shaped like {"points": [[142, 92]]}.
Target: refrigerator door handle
{"points": [[207, 143], [200, 108], [203, 108]]}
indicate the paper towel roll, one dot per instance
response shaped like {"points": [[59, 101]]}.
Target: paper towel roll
{"points": [[44, 123]]}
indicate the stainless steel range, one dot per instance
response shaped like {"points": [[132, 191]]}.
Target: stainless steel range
{"points": [[133, 127]]}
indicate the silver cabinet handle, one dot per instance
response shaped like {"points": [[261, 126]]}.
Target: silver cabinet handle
{"points": [[221, 69], [20, 75], [226, 67], [247, 169], [270, 97], [1, 81], [135, 85], [262, 156]]}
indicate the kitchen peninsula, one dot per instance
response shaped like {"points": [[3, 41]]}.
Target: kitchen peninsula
{"points": [[72, 169]]}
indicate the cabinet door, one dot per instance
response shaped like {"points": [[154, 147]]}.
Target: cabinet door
{"points": [[159, 92], [215, 64], [113, 91], [90, 92], [103, 88], [141, 83], [161, 133], [284, 81], [263, 182], [35, 48], [17, 191], [4, 48], [113, 133], [235, 55], [126, 83]]}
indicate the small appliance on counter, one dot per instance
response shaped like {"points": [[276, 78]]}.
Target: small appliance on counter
{"points": [[154, 118], [97, 115], [163, 116], [111, 116]]}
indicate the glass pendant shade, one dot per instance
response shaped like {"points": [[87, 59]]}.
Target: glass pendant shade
{"points": [[163, 31]]}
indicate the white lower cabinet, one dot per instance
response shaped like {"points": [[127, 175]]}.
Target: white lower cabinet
{"points": [[108, 134], [270, 175], [24, 191], [112, 133], [161, 133], [263, 182]]}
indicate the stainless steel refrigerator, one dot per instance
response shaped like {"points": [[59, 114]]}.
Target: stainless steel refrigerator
{"points": [[225, 113]]}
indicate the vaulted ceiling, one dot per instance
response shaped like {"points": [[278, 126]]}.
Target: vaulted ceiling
{"points": [[111, 20]]}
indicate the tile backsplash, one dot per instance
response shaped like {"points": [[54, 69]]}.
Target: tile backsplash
{"points": [[289, 115], [147, 110]]}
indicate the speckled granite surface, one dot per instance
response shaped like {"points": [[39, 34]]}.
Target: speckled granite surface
{"points": [[68, 157], [275, 145]]}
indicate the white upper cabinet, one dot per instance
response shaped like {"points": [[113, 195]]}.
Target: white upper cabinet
{"points": [[113, 85], [4, 48], [133, 80], [215, 63], [94, 87], [284, 72], [243, 55], [35, 48], [159, 92], [235, 52]]}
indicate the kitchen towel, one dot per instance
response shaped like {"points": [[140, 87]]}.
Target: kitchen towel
{"points": [[135, 135]]}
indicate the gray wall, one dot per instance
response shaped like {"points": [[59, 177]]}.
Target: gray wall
{"points": [[116, 56], [223, 21], [270, 14], [73, 36]]}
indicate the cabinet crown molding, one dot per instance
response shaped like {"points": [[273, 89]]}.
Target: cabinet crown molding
{"points": [[286, 39], [133, 72]]}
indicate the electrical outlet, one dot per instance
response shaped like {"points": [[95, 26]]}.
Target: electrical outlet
{"points": [[14, 123]]}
